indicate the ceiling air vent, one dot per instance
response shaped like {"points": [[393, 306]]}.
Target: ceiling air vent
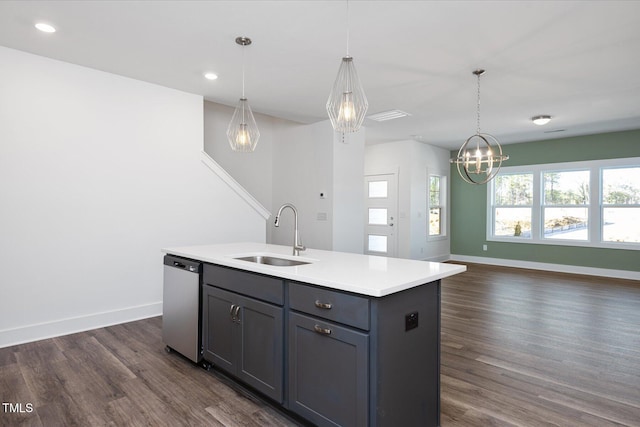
{"points": [[383, 116]]}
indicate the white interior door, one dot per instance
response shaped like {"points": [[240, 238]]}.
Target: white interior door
{"points": [[381, 214]]}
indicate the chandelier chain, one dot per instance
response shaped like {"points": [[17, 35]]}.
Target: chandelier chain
{"points": [[478, 110], [347, 27], [243, 47]]}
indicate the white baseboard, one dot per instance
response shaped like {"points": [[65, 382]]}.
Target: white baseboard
{"points": [[56, 328], [560, 268]]}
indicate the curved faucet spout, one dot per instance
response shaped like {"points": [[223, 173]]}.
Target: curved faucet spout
{"points": [[297, 246]]}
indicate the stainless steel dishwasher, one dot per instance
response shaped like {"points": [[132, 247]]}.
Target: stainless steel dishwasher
{"points": [[181, 307]]}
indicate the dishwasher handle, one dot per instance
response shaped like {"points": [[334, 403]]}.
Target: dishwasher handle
{"points": [[185, 264]]}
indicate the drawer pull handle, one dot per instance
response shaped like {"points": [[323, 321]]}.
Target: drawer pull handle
{"points": [[236, 314], [325, 305], [324, 331]]}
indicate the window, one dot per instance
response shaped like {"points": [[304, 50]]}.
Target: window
{"points": [[592, 203], [378, 189], [565, 210], [621, 204], [436, 206], [512, 205]]}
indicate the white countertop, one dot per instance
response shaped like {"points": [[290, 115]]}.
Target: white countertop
{"points": [[374, 276]]}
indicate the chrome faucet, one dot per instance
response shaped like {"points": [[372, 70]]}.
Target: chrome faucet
{"points": [[297, 246]]}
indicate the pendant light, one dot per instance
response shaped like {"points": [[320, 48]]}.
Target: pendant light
{"points": [[347, 103], [243, 133], [480, 157]]}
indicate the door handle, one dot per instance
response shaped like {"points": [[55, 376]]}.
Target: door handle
{"points": [[234, 312], [237, 313]]}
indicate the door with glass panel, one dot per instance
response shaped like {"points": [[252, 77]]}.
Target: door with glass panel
{"points": [[381, 206]]}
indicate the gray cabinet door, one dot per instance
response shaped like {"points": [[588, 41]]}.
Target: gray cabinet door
{"points": [[328, 372], [218, 328], [244, 337], [260, 346]]}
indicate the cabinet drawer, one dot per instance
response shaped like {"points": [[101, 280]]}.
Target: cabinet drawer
{"points": [[348, 309], [254, 285]]}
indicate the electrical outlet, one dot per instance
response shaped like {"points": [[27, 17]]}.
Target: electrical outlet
{"points": [[484, 247], [410, 321]]}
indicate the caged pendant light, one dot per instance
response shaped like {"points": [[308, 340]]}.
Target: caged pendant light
{"points": [[480, 157], [243, 133], [347, 103]]}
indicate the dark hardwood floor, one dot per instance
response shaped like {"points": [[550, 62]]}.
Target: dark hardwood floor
{"points": [[519, 348], [531, 348]]}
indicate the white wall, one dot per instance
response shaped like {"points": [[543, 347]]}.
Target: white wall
{"points": [[412, 161], [294, 163], [348, 192], [302, 169], [97, 174], [309, 160], [428, 160]]}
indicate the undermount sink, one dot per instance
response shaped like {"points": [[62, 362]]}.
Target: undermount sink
{"points": [[271, 260]]}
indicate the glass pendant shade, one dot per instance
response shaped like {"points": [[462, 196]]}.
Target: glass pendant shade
{"points": [[347, 103], [243, 133]]}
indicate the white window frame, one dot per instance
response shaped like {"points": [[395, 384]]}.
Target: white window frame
{"points": [[491, 207], [543, 206], [602, 206], [443, 206], [595, 203]]}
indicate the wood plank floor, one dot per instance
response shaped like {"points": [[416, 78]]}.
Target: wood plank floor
{"points": [[531, 348], [519, 348]]}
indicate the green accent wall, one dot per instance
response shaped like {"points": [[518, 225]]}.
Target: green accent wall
{"points": [[469, 204]]}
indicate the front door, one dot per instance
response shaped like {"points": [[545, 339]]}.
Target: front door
{"points": [[381, 216]]}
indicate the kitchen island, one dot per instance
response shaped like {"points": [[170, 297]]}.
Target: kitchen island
{"points": [[339, 339]]}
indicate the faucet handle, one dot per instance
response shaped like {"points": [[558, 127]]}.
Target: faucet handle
{"points": [[297, 248], [297, 245]]}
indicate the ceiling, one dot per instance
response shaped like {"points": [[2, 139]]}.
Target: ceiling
{"points": [[577, 61]]}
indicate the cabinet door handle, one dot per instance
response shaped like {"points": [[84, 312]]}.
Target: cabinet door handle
{"points": [[324, 331], [231, 312], [324, 305], [236, 314]]}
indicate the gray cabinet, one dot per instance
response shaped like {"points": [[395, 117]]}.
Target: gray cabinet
{"points": [[363, 361], [244, 336], [334, 358], [328, 372], [328, 358]]}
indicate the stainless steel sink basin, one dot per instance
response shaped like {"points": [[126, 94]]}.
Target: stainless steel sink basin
{"points": [[270, 260]]}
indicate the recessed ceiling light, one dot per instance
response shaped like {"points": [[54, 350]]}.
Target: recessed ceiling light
{"points": [[210, 76], [541, 120], [45, 28]]}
